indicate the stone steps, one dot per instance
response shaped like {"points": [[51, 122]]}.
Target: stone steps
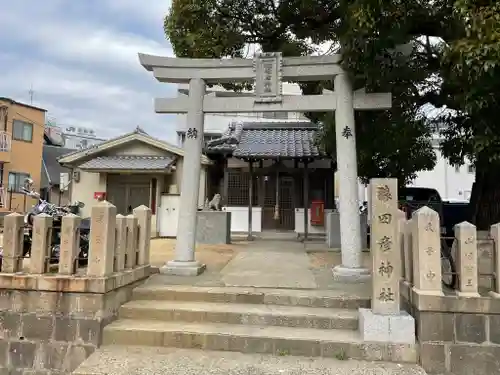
{"points": [[255, 339], [250, 320], [347, 299], [121, 360], [247, 314]]}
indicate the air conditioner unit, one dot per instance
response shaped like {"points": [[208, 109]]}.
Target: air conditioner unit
{"points": [[76, 176]]}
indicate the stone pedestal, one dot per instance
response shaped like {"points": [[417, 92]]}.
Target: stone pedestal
{"points": [[396, 328], [332, 228], [385, 321], [180, 268], [213, 227], [344, 274]]}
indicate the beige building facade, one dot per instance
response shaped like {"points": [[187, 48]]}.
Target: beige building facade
{"points": [[21, 144]]}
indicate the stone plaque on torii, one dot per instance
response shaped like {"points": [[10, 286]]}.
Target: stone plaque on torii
{"points": [[267, 71]]}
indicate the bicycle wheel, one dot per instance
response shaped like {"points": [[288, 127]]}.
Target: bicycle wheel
{"points": [[449, 276]]}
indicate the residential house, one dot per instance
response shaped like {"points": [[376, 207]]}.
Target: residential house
{"points": [[21, 144]]}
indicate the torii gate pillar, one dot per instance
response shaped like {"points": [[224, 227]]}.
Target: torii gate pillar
{"points": [[351, 269]]}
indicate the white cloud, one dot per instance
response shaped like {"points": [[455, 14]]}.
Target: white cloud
{"points": [[154, 11], [81, 58]]}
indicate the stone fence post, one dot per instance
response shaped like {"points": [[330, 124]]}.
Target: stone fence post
{"points": [[385, 321], [131, 253], [426, 246], [143, 215], [467, 261], [102, 240], [401, 228], [408, 252], [41, 244], [495, 235], [13, 235], [70, 244], [121, 243]]}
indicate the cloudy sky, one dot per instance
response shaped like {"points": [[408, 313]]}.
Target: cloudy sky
{"points": [[80, 58]]}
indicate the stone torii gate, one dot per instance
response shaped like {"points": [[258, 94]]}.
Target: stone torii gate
{"points": [[267, 70]]}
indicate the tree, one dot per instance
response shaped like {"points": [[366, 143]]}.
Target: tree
{"points": [[471, 86], [463, 62], [391, 143]]}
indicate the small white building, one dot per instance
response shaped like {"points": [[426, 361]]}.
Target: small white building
{"points": [[71, 137], [452, 182], [79, 137]]}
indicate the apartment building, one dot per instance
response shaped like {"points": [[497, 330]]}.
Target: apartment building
{"points": [[21, 145]]}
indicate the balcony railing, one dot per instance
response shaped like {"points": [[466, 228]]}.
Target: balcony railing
{"points": [[5, 141]]}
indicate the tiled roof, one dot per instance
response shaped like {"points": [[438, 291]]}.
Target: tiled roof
{"points": [[272, 141], [127, 162]]}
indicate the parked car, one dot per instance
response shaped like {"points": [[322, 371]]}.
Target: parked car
{"points": [[450, 213]]}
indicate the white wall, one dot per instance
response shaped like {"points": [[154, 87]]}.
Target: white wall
{"points": [[451, 183], [239, 219], [311, 229], [84, 189]]}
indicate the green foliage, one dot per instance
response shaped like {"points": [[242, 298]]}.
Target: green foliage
{"points": [[385, 149], [393, 143], [452, 62], [471, 74]]}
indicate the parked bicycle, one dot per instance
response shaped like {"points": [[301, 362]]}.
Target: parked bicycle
{"points": [[57, 213]]}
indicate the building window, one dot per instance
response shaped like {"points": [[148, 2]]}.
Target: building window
{"points": [[22, 131], [471, 168], [17, 181], [238, 189]]}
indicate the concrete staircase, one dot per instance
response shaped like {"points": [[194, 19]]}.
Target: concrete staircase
{"points": [[247, 320]]}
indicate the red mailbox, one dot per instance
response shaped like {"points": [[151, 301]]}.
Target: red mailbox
{"points": [[317, 213], [100, 195]]}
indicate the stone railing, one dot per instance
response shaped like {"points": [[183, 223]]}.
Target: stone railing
{"points": [[458, 328], [118, 252], [473, 254], [51, 322]]}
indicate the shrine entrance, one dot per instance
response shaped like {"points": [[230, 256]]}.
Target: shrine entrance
{"points": [[278, 210], [267, 71]]}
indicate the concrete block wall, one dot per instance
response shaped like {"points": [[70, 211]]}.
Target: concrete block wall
{"points": [[52, 332], [51, 322], [456, 334]]}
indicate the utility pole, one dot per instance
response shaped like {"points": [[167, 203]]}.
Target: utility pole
{"points": [[31, 93]]}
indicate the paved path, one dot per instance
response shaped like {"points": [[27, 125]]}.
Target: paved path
{"points": [[270, 264], [116, 360]]}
